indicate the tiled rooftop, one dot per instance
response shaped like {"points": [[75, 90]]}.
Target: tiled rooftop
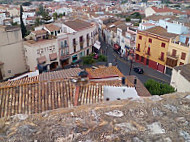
{"points": [[104, 72], [161, 32], [62, 74], [78, 24], [52, 27], [46, 76], [48, 95], [39, 32]]}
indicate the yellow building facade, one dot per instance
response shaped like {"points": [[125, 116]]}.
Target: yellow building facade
{"points": [[178, 54], [152, 47]]}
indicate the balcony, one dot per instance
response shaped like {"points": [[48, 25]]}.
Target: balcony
{"points": [[161, 59], [148, 53], [174, 57], [171, 62]]}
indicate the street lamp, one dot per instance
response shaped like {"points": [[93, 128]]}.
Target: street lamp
{"points": [[131, 63]]}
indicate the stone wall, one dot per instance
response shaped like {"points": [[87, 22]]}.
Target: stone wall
{"points": [[150, 119]]}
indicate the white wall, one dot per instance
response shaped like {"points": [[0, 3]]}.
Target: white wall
{"points": [[34, 51], [149, 11], [2, 17], [179, 82], [11, 53]]}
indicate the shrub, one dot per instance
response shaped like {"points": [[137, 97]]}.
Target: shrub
{"points": [[156, 88], [88, 60], [102, 58]]}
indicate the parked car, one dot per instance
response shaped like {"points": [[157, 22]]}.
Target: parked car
{"points": [[138, 70]]}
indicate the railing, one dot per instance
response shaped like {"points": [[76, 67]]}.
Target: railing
{"points": [[172, 56], [148, 53]]}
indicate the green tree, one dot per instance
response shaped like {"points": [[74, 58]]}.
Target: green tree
{"points": [[60, 15], [128, 19], [14, 23], [156, 88], [88, 60], [38, 22], [23, 28], [55, 16]]}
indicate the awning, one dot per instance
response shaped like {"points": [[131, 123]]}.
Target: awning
{"points": [[63, 58], [117, 47], [1, 63], [53, 56], [42, 59], [97, 45]]}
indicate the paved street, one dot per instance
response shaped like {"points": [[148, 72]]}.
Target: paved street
{"points": [[124, 66]]}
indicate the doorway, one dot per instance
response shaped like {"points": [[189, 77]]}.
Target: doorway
{"points": [[147, 61], [53, 66]]}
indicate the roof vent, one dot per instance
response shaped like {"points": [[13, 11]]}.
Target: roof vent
{"points": [[123, 81]]}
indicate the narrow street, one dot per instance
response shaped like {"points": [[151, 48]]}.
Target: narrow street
{"points": [[124, 66]]}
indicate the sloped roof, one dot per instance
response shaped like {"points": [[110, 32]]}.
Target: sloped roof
{"points": [[104, 72], [78, 24], [39, 32], [52, 27], [160, 31]]}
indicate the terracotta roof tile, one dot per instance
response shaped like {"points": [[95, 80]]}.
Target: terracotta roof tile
{"points": [[52, 27], [78, 24], [105, 72], [161, 31], [62, 74], [39, 32]]}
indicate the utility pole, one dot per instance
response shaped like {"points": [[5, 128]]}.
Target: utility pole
{"points": [[131, 64]]}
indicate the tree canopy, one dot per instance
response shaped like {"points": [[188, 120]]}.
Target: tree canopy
{"points": [[22, 26], [156, 88]]}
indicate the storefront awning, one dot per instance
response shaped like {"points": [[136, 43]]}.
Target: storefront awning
{"points": [[63, 58], [117, 47], [42, 59], [53, 56], [97, 45]]}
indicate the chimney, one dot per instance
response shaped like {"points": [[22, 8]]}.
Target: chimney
{"points": [[123, 81]]}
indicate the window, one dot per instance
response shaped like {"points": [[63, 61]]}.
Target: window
{"points": [[142, 59], [140, 37], [61, 44], [74, 41], [87, 52], [163, 45], [174, 52], [162, 56], [150, 40], [65, 43], [81, 38], [181, 63], [183, 55], [138, 47], [148, 51]]}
